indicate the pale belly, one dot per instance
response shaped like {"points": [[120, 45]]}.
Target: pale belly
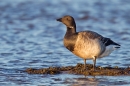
{"points": [[89, 50]]}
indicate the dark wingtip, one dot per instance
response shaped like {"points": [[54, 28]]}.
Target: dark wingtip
{"points": [[118, 44], [59, 19]]}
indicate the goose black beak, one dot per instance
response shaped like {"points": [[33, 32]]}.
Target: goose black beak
{"points": [[60, 19]]}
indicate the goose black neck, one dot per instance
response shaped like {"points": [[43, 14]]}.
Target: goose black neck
{"points": [[71, 30]]}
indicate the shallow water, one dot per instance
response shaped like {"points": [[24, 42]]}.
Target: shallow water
{"points": [[30, 36]]}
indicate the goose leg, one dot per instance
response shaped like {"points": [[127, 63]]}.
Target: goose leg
{"points": [[85, 64], [94, 63]]}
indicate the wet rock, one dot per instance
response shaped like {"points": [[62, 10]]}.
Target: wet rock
{"points": [[79, 69]]}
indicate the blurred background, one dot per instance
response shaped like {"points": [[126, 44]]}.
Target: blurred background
{"points": [[30, 36]]}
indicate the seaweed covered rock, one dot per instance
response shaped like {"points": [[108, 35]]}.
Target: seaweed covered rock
{"points": [[79, 69]]}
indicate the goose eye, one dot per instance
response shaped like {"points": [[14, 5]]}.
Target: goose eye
{"points": [[68, 19]]}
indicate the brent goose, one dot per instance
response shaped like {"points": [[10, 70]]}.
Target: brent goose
{"points": [[86, 44]]}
